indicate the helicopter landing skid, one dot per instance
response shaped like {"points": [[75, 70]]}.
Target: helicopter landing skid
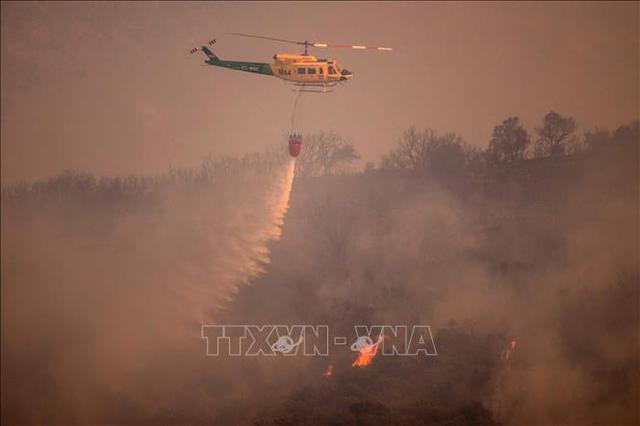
{"points": [[313, 87]]}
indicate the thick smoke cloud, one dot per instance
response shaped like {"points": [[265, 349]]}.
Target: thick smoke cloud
{"points": [[103, 299]]}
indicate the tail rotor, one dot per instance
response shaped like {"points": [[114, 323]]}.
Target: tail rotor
{"points": [[206, 50]]}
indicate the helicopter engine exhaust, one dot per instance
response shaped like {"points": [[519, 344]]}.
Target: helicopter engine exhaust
{"points": [[295, 144]]}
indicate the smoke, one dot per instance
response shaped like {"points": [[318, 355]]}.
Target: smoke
{"points": [[102, 299], [565, 307], [550, 260]]}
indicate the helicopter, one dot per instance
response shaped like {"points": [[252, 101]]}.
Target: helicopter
{"points": [[304, 72]]}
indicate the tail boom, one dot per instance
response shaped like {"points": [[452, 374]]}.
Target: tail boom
{"points": [[213, 59], [254, 67]]}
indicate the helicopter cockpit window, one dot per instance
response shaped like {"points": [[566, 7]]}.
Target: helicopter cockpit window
{"points": [[301, 70], [311, 70], [332, 70]]}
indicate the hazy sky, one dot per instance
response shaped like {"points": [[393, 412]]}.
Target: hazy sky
{"points": [[111, 88]]}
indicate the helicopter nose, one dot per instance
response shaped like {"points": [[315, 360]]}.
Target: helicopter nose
{"points": [[345, 75]]}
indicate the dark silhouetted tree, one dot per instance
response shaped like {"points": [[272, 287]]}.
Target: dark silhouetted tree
{"points": [[628, 134], [370, 167], [554, 135], [509, 142], [597, 139]]}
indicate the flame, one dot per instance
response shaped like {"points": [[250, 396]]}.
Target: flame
{"points": [[367, 354], [329, 371]]}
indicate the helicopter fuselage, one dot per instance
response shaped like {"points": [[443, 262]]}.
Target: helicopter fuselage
{"points": [[300, 69], [308, 69]]}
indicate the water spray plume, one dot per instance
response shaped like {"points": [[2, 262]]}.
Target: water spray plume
{"points": [[281, 197], [250, 251], [277, 203]]}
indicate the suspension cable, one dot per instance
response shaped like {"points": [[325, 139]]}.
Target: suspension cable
{"points": [[293, 113]]}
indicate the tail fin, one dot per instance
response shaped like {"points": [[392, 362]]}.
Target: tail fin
{"points": [[207, 51]]}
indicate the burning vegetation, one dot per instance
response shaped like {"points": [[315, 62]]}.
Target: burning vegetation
{"points": [[329, 371], [367, 353]]}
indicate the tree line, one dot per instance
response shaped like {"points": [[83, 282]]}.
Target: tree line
{"points": [[418, 151], [436, 154]]}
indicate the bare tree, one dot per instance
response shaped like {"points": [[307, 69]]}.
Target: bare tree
{"points": [[325, 153], [424, 151], [410, 153], [509, 142], [554, 135]]}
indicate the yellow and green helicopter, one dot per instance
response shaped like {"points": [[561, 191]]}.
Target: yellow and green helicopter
{"points": [[305, 72]]}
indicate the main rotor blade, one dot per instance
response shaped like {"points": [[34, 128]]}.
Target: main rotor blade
{"points": [[326, 45], [271, 38], [351, 46]]}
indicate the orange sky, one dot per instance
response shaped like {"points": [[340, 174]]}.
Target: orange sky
{"points": [[110, 88]]}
